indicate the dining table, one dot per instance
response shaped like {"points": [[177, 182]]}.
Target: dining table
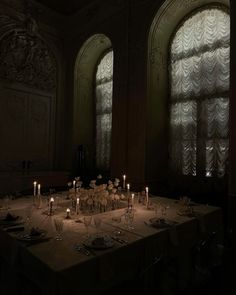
{"points": [[155, 246]]}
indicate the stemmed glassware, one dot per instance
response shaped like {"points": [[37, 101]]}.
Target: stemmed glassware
{"points": [[6, 201], [97, 222], [28, 214], [129, 218], [58, 223], [87, 223], [117, 220]]}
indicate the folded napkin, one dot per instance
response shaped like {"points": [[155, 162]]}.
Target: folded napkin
{"points": [[14, 228], [9, 218]]}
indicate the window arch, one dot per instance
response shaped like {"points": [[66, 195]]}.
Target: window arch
{"points": [[103, 106], [199, 99], [89, 87]]}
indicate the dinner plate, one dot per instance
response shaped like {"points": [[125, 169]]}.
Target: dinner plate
{"points": [[161, 222], [188, 213], [32, 237], [99, 242]]}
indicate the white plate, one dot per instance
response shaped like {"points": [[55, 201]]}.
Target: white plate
{"points": [[28, 237], [99, 242]]}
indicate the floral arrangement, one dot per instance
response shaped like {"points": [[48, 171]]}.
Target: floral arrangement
{"points": [[98, 198]]}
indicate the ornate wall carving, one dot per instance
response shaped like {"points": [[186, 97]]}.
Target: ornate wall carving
{"points": [[28, 76], [24, 56]]}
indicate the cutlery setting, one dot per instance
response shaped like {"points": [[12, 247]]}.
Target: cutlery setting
{"points": [[121, 241], [84, 250]]}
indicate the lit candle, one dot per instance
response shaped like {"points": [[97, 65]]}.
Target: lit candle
{"points": [[35, 186], [73, 184], [124, 177], [77, 206], [50, 205], [132, 196], [147, 197], [67, 213], [39, 188], [128, 187]]}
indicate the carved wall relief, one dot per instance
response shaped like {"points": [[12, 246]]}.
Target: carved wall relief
{"points": [[28, 75], [25, 58]]}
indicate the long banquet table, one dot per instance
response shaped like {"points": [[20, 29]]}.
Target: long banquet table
{"points": [[150, 257]]}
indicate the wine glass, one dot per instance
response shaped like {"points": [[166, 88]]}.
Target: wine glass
{"points": [[87, 223], [97, 221], [28, 214], [117, 220], [130, 219], [58, 223], [6, 201]]}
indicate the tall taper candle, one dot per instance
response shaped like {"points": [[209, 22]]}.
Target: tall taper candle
{"points": [[124, 177], [35, 187], [147, 197], [39, 189]]}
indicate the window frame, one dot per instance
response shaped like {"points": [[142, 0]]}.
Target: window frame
{"points": [[200, 162]]}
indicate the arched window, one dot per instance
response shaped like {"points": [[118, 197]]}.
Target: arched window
{"points": [[104, 83], [199, 99]]}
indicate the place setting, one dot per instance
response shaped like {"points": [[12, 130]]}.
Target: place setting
{"points": [[11, 221], [99, 242], [160, 223], [34, 236]]}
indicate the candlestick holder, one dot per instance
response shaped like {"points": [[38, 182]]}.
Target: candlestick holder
{"points": [[50, 211], [68, 216]]}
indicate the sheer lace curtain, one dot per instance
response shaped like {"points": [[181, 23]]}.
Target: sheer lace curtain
{"points": [[104, 83], [199, 105]]}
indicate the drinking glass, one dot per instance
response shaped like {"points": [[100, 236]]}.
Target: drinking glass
{"points": [[163, 210], [58, 223], [97, 221], [28, 214], [6, 201], [117, 220], [127, 219], [130, 220], [87, 223]]}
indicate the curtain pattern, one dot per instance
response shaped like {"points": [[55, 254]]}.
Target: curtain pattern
{"points": [[104, 83], [199, 106]]}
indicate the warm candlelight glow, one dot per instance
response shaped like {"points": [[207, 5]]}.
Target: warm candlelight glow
{"points": [[147, 197], [39, 188], [73, 183], [51, 200], [35, 186], [124, 177], [68, 213], [77, 206], [132, 196], [128, 186]]}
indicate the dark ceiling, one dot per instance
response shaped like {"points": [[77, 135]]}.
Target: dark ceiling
{"points": [[65, 6]]}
